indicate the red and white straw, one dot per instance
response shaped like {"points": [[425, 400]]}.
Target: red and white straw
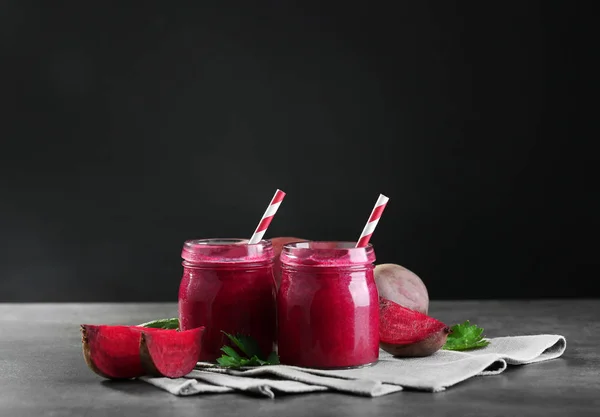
{"points": [[373, 220], [267, 217]]}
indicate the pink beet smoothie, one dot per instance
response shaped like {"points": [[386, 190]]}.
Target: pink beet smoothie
{"points": [[328, 308], [228, 285]]}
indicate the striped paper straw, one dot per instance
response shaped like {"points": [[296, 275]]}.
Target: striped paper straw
{"points": [[267, 217], [373, 220]]}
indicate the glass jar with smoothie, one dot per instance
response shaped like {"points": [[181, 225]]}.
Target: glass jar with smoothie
{"points": [[327, 306], [228, 286]]}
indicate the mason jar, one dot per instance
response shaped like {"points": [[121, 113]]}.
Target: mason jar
{"points": [[228, 286], [327, 306]]}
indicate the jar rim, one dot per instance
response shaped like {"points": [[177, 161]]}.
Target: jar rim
{"points": [[221, 242], [327, 254], [226, 250]]}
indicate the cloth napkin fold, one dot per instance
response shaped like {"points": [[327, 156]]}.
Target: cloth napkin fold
{"points": [[433, 373]]}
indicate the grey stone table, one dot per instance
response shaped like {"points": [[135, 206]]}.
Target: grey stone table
{"points": [[42, 372]]}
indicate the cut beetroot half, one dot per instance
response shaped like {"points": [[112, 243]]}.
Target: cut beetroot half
{"points": [[113, 351], [406, 332], [171, 354]]}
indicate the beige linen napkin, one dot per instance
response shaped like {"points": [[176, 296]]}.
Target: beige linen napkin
{"points": [[433, 373]]}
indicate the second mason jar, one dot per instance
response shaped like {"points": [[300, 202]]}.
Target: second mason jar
{"points": [[327, 306], [228, 286]]}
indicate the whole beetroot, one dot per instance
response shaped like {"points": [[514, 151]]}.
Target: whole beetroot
{"points": [[398, 284]]}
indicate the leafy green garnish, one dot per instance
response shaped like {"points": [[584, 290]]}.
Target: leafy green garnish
{"points": [[172, 323], [465, 336], [273, 359], [249, 347], [246, 344]]}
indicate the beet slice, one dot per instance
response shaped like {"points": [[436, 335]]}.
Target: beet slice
{"points": [[171, 354], [113, 351], [409, 333]]}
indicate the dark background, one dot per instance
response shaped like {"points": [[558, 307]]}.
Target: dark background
{"points": [[127, 130]]}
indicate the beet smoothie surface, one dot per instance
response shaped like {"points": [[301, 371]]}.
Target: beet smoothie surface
{"points": [[228, 286], [327, 306]]}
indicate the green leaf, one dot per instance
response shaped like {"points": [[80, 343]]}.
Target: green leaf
{"points": [[465, 336], [228, 361], [229, 351], [172, 323], [273, 359], [256, 361], [249, 348], [244, 362], [246, 344]]}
